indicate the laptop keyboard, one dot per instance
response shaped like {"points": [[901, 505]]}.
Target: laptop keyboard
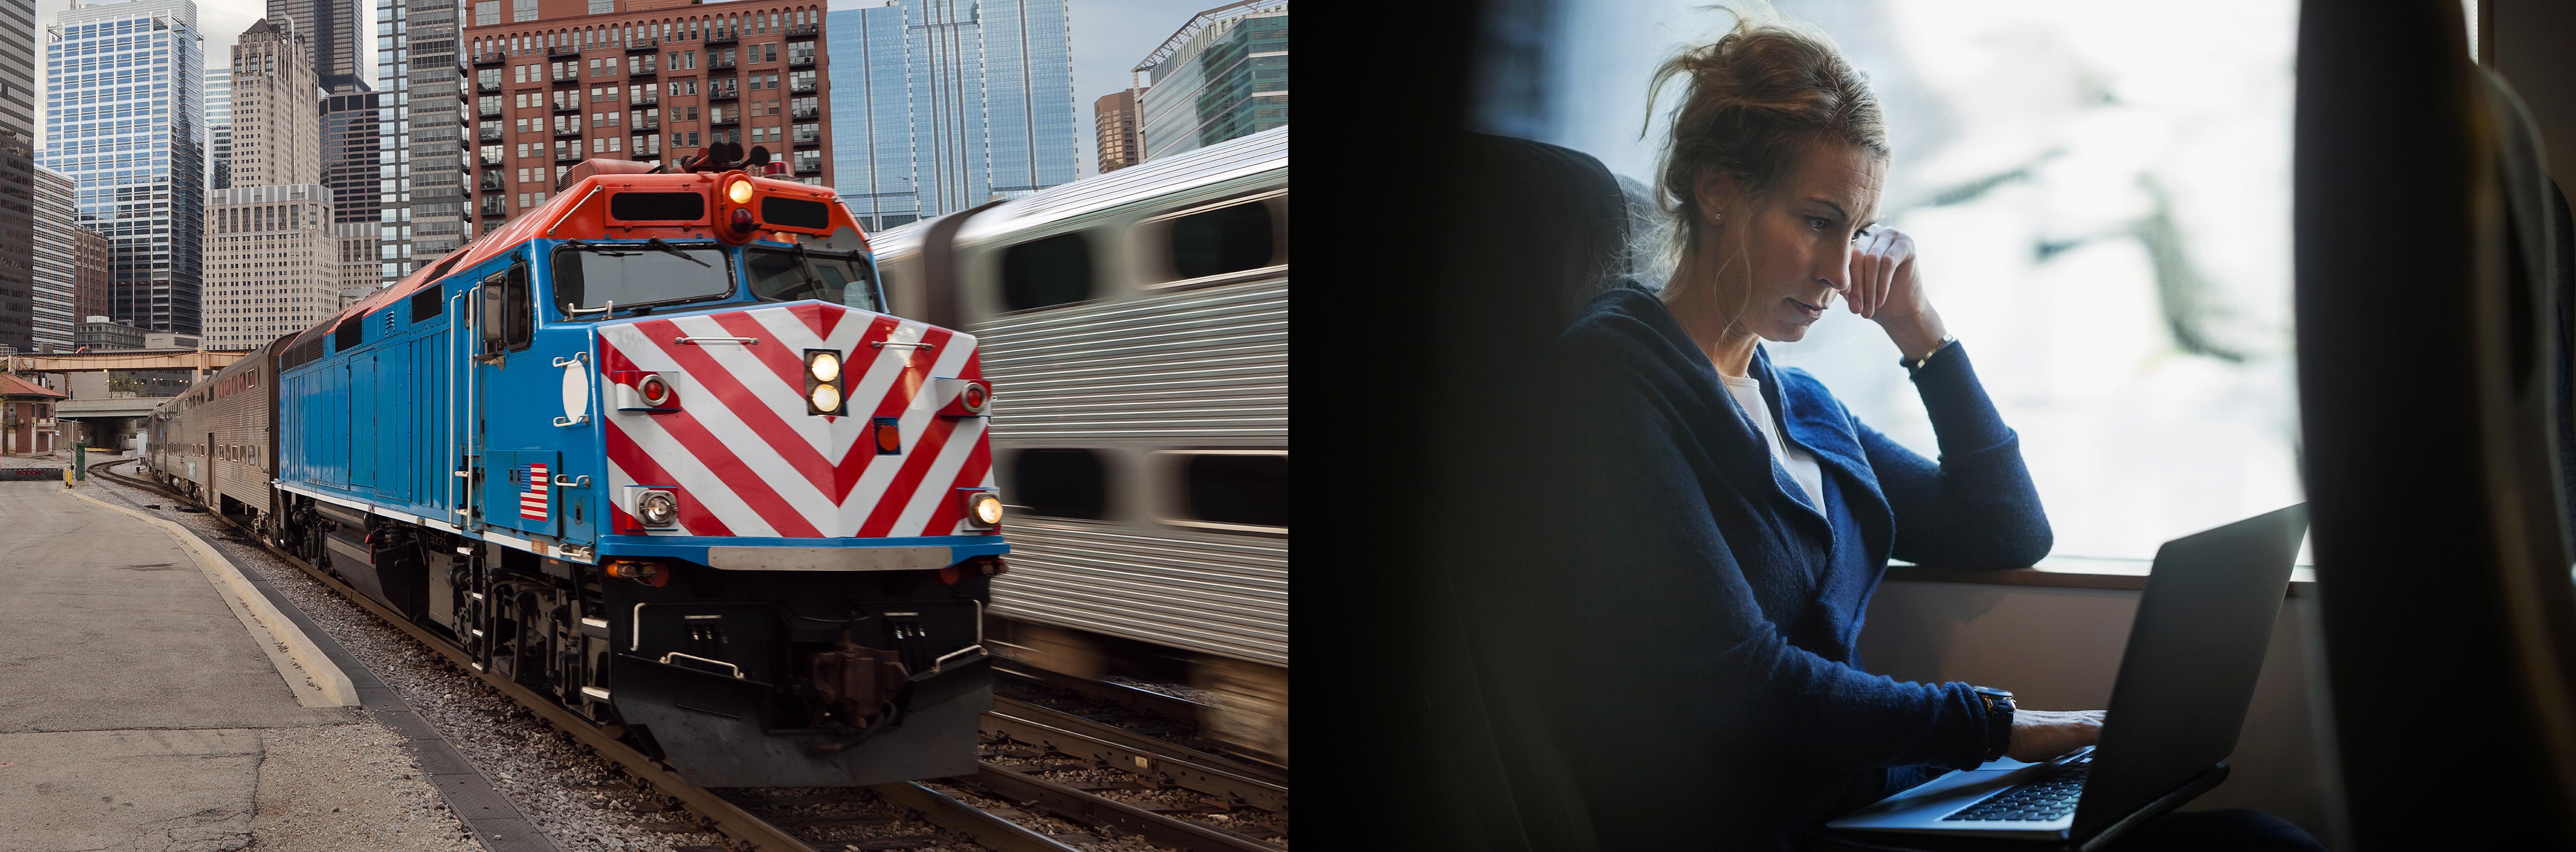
{"points": [[2045, 798]]}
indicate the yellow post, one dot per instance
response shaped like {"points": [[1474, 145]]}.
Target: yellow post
{"points": [[67, 476]]}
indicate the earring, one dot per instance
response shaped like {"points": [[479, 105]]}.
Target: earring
{"points": [[1714, 217]]}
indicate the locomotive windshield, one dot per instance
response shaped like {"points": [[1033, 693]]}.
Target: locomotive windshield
{"points": [[589, 276], [787, 275]]}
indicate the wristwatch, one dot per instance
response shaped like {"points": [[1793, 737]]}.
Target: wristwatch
{"points": [[1999, 719]]}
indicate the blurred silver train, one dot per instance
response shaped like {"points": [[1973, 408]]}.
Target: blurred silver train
{"points": [[1139, 320]]}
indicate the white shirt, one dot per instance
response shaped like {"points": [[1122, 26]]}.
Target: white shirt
{"points": [[1800, 464]]}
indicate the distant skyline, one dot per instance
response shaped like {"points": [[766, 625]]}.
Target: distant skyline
{"points": [[1109, 37]]}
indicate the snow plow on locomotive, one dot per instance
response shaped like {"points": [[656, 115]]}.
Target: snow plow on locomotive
{"points": [[656, 450]]}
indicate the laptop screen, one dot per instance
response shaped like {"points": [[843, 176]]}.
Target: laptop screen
{"points": [[2194, 652]]}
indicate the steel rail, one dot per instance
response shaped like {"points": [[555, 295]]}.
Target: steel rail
{"points": [[1166, 707], [947, 812], [1158, 829], [1073, 735], [729, 818]]}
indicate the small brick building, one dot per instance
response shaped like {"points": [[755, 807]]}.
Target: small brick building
{"points": [[26, 417]]}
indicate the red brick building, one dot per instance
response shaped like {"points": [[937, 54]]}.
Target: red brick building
{"points": [[26, 417], [649, 80], [90, 275]]}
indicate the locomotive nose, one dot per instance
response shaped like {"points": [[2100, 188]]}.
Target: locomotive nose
{"points": [[802, 419]]}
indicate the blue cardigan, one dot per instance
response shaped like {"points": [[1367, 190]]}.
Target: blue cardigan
{"points": [[1702, 637]]}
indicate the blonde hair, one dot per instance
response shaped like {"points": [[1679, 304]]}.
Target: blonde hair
{"points": [[1752, 102]]}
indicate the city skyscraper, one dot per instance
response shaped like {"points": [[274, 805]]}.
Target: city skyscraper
{"points": [[334, 37], [56, 269], [18, 100], [1113, 120], [276, 108], [275, 261], [576, 81], [1223, 76], [421, 211], [219, 127], [349, 164], [945, 105], [274, 256], [125, 118]]}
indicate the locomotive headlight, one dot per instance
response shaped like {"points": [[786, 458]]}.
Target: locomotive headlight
{"points": [[983, 509], [825, 366], [657, 508], [739, 191], [826, 397]]}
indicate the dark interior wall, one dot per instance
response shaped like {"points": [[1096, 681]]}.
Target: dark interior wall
{"points": [[2529, 44]]}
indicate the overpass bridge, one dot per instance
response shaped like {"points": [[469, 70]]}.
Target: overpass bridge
{"points": [[124, 360]]}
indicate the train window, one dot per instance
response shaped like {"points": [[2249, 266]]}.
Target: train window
{"points": [[517, 310], [1232, 489], [495, 287], [786, 276], [425, 304], [1221, 241], [658, 206], [351, 332], [1059, 483], [588, 276], [1047, 272]]}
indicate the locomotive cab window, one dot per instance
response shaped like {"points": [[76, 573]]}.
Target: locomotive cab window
{"points": [[589, 276], [508, 314], [1060, 483], [1046, 272], [1233, 490], [1230, 239], [841, 278]]}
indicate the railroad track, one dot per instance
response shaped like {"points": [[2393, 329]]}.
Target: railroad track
{"points": [[1011, 721]]}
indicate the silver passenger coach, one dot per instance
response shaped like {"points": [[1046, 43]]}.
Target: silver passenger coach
{"points": [[1139, 320]]}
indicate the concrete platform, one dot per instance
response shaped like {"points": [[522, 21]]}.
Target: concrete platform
{"points": [[138, 706]]}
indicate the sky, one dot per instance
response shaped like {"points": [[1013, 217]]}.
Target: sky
{"points": [[1109, 36]]}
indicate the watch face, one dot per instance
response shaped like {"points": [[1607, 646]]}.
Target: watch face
{"points": [[1991, 691]]}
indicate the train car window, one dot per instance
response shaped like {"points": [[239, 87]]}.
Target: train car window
{"points": [[351, 332], [1047, 272], [658, 206], [1060, 483], [786, 276], [1229, 239], [426, 304], [517, 311], [588, 276], [1235, 489]]}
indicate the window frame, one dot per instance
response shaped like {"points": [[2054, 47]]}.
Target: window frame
{"points": [[733, 276], [1151, 238], [1111, 511]]}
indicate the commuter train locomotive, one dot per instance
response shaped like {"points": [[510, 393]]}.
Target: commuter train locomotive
{"points": [[1140, 321], [657, 451]]}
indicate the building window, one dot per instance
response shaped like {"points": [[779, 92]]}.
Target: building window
{"points": [[523, 10], [602, 7], [487, 13]]}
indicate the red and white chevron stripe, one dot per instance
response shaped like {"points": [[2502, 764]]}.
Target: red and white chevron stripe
{"points": [[746, 460]]}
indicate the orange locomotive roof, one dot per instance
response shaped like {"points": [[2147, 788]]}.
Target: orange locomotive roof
{"points": [[571, 214]]}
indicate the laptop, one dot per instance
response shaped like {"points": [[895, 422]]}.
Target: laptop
{"points": [[2203, 624]]}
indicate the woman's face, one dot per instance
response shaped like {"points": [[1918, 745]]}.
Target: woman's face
{"points": [[1793, 240]]}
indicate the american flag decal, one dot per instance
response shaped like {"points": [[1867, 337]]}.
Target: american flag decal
{"points": [[532, 502]]}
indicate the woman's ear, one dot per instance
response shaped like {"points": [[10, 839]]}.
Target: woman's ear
{"points": [[1717, 192]]}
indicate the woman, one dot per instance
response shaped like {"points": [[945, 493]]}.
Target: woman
{"points": [[1700, 681]]}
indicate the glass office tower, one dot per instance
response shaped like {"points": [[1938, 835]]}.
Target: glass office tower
{"points": [[219, 127], [334, 37], [421, 154], [19, 316], [125, 118], [941, 105], [1224, 76]]}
